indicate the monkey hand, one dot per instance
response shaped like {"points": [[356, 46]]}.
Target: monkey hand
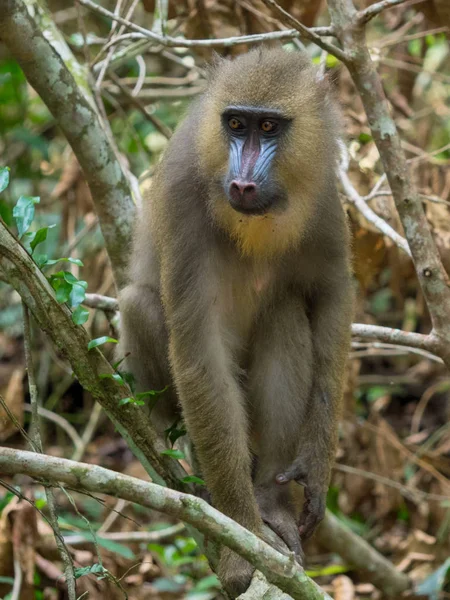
{"points": [[234, 572], [315, 495], [276, 511]]}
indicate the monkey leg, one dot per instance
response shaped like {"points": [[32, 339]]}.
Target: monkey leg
{"points": [[144, 342], [280, 380]]}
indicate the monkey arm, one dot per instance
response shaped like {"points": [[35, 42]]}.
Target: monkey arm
{"points": [[330, 319]]}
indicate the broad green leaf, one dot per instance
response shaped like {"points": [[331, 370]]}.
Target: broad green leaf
{"points": [[80, 315], [100, 341], [41, 260], [40, 236], [78, 293], [23, 212], [68, 276], [433, 584], [193, 479], [176, 454], [62, 288], [4, 178]]}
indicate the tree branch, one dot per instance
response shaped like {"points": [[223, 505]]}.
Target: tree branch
{"points": [[364, 16], [431, 274], [55, 319], [304, 31], [48, 73], [167, 40], [377, 569], [279, 569]]}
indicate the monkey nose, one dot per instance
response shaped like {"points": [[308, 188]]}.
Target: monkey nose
{"points": [[243, 192]]}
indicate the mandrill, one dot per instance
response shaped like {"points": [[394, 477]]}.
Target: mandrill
{"points": [[240, 294]]}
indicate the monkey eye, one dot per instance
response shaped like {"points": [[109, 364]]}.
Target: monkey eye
{"points": [[235, 124], [269, 126]]}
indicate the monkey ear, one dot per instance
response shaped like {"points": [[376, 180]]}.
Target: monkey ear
{"points": [[214, 65]]}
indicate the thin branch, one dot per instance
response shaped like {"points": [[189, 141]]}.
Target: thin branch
{"points": [[430, 271], [149, 537], [397, 336], [157, 123], [56, 320], [180, 42], [101, 302], [364, 208], [279, 569], [36, 436], [59, 420], [364, 16], [88, 432], [306, 32], [411, 493], [375, 568], [79, 122]]}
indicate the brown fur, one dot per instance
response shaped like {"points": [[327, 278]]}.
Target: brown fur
{"points": [[247, 318]]}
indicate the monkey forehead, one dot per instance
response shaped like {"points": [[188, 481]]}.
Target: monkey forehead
{"points": [[269, 78]]}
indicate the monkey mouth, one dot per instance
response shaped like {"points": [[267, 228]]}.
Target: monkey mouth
{"points": [[250, 210]]}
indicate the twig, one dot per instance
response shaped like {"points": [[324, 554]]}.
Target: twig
{"points": [[306, 32], [113, 516], [79, 122], [411, 493], [383, 349], [180, 42], [149, 537], [88, 432], [365, 209], [101, 302], [59, 420], [18, 578], [364, 16], [157, 123], [36, 436], [374, 567], [280, 570], [349, 30]]}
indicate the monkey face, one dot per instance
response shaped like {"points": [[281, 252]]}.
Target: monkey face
{"points": [[253, 136]]}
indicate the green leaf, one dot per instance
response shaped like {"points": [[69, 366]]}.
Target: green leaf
{"points": [[74, 261], [100, 341], [192, 479], [62, 288], [111, 545], [78, 293], [4, 178], [90, 570], [329, 570], [176, 454], [174, 432], [115, 376], [40, 236], [435, 582], [41, 260], [80, 315], [126, 401], [205, 584], [23, 212], [143, 395]]}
